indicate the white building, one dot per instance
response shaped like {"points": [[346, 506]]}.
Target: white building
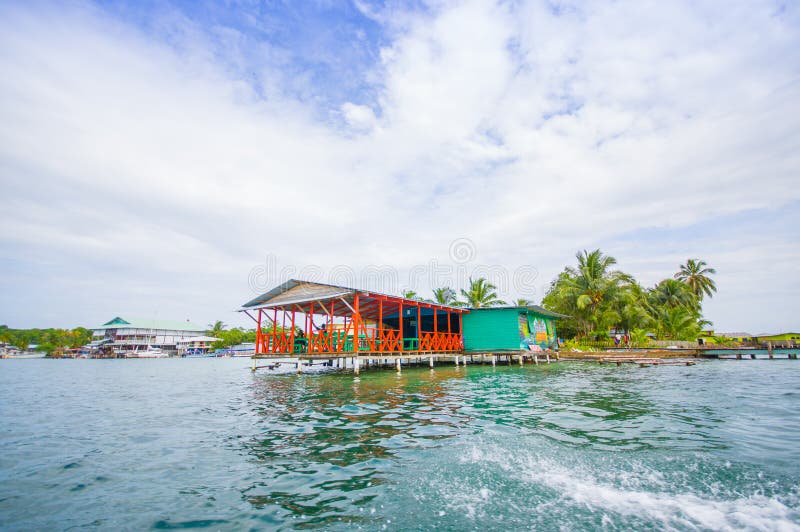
{"points": [[134, 335]]}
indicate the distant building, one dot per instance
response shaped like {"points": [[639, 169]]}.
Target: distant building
{"points": [[736, 336], [132, 335], [787, 339], [196, 345]]}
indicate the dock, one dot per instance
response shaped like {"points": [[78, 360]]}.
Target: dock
{"points": [[366, 361]]}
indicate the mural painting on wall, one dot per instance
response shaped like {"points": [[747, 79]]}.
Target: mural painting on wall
{"points": [[525, 339], [524, 331], [535, 330], [540, 329]]}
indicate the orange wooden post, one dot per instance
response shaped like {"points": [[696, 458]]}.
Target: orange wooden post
{"points": [[330, 327], [259, 335], [461, 329], [311, 324], [284, 347], [380, 325], [356, 322], [307, 328], [291, 338], [419, 326], [402, 340], [449, 329], [274, 329]]}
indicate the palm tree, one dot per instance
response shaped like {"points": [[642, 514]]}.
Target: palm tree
{"points": [[445, 296], [632, 308], [695, 273], [678, 323], [594, 278], [590, 290], [523, 302], [216, 328], [671, 293], [481, 293], [409, 294]]}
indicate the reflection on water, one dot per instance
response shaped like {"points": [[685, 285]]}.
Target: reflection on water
{"points": [[206, 444], [335, 444]]}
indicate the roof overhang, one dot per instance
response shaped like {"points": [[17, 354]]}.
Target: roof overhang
{"points": [[530, 308], [312, 297]]}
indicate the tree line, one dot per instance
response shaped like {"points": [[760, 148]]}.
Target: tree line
{"points": [[46, 340], [598, 298]]}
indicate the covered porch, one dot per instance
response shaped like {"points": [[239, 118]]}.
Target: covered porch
{"points": [[301, 318]]}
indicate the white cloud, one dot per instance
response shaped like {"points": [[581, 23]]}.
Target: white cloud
{"points": [[532, 132], [359, 117]]}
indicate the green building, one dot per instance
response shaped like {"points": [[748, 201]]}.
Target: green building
{"points": [[789, 338], [497, 329]]}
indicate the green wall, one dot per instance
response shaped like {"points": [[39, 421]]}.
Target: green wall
{"points": [[491, 329], [498, 329], [779, 337]]}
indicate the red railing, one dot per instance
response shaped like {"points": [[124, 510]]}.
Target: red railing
{"points": [[440, 341], [370, 339]]}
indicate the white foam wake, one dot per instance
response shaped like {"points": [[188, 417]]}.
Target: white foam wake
{"points": [[577, 486]]}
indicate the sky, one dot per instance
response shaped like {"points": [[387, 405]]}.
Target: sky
{"points": [[172, 159]]}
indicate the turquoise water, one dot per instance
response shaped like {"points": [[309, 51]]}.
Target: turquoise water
{"points": [[202, 443]]}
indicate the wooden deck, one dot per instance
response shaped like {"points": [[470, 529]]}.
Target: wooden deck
{"points": [[358, 362]]}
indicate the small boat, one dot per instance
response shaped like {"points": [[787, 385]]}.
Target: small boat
{"points": [[199, 353], [150, 352], [21, 356]]}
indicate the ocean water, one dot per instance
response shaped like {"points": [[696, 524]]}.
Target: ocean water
{"points": [[205, 444]]}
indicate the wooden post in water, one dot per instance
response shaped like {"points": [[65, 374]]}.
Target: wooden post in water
{"points": [[494, 361], [769, 347], [521, 359], [430, 361], [398, 365], [548, 357], [456, 360], [356, 364], [536, 358], [299, 366], [253, 369]]}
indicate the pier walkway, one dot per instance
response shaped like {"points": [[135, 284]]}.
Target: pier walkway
{"points": [[376, 360]]}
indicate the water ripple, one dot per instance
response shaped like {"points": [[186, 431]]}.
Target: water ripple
{"points": [[196, 444]]}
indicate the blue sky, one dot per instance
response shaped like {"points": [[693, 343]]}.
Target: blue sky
{"points": [[154, 155]]}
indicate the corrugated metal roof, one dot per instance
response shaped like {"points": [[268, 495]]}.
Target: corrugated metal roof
{"points": [[534, 308], [198, 339], [308, 296], [293, 292], [139, 323]]}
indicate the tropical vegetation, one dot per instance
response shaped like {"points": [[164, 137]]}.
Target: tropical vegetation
{"points": [[45, 340], [600, 298], [480, 293]]}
